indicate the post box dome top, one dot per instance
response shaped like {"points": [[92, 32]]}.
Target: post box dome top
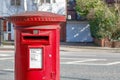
{"points": [[35, 18]]}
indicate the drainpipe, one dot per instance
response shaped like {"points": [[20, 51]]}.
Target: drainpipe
{"points": [[0, 33], [25, 5]]}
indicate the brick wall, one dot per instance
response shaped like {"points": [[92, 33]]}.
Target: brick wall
{"points": [[63, 32], [71, 12], [112, 1]]}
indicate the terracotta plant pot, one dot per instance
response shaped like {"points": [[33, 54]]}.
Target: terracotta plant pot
{"points": [[105, 42], [99, 42], [116, 44]]}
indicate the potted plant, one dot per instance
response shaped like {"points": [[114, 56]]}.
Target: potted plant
{"points": [[116, 35], [103, 20]]}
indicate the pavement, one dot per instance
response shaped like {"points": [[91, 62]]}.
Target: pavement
{"points": [[90, 46], [69, 46], [7, 47]]}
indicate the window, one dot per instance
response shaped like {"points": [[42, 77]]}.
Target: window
{"points": [[15, 2], [9, 26], [43, 1], [54, 1], [47, 1]]}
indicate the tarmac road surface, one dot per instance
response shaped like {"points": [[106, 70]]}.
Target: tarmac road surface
{"points": [[76, 64]]}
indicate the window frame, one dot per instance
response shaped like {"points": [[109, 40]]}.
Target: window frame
{"points": [[15, 2], [48, 1], [8, 26]]}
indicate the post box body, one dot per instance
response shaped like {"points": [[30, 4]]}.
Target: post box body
{"points": [[37, 48], [45, 39]]}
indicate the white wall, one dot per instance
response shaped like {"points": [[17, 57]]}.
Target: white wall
{"points": [[59, 7], [12, 32], [7, 10]]}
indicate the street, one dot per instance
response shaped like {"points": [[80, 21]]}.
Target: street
{"points": [[80, 64], [6, 65], [90, 65]]}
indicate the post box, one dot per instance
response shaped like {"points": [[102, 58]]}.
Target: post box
{"points": [[37, 45]]}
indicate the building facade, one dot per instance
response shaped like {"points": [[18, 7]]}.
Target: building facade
{"points": [[10, 7], [76, 29]]}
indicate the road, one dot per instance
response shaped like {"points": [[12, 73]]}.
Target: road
{"points": [[90, 65], [6, 65], [79, 64]]}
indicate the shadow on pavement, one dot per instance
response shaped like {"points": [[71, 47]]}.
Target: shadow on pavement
{"points": [[78, 44], [72, 78], [2, 72]]}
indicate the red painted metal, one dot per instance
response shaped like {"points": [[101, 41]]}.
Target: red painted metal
{"points": [[46, 37], [36, 19]]}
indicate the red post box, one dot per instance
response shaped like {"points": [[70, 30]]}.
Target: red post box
{"points": [[37, 45]]}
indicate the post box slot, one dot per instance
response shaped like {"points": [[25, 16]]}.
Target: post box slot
{"points": [[36, 38], [46, 38]]}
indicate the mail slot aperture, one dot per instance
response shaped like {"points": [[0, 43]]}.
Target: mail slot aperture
{"points": [[46, 38], [36, 39]]}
